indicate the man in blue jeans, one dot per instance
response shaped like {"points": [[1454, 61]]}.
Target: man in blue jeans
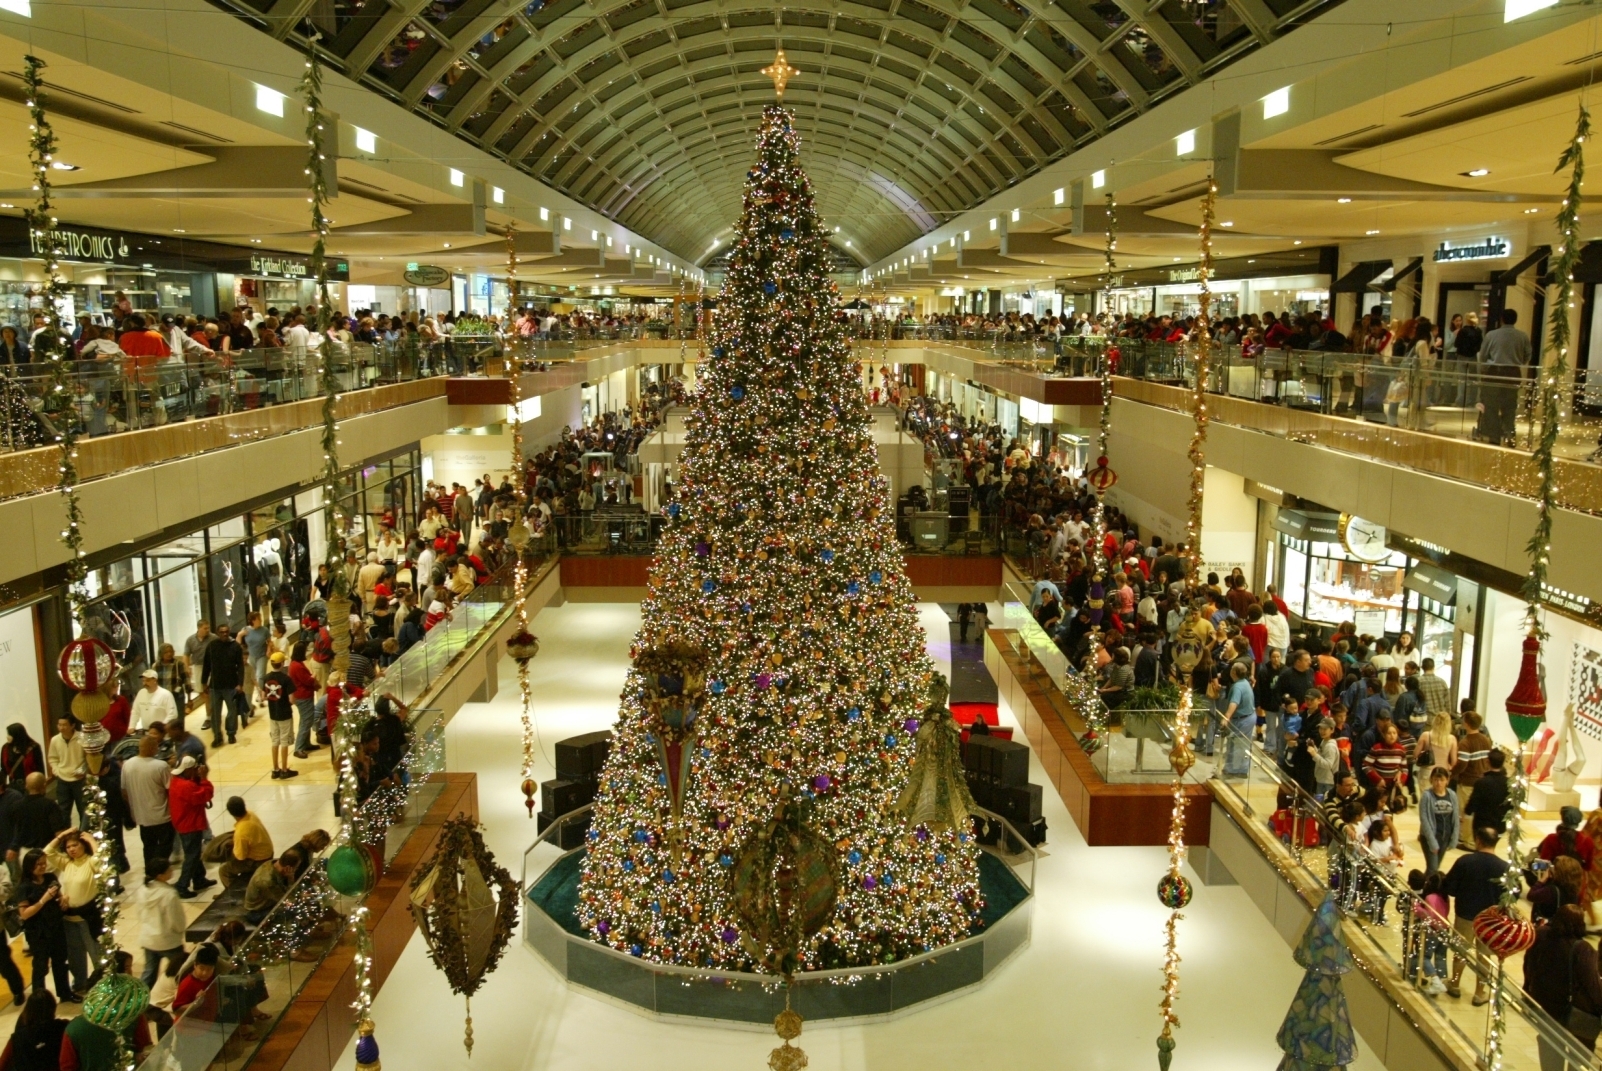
{"points": [[1238, 708], [221, 674]]}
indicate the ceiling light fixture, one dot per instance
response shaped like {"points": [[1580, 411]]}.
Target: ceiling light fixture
{"points": [[1478, 172], [270, 101], [1371, 233], [366, 140], [1297, 242], [1227, 223], [497, 195], [1098, 179], [1186, 143], [1343, 200], [1057, 196], [1276, 103], [62, 165], [1527, 211]]}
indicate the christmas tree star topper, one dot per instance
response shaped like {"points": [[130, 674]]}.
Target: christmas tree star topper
{"points": [[781, 72]]}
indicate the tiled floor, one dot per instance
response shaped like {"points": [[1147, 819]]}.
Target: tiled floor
{"points": [[1082, 995], [288, 808]]}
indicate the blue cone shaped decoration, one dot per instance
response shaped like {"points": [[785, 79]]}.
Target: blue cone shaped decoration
{"points": [[1317, 1032]]}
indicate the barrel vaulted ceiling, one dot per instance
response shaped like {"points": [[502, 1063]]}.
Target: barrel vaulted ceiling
{"points": [[910, 111]]}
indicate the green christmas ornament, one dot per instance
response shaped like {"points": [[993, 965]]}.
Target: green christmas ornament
{"points": [[785, 887], [116, 1002], [351, 870]]}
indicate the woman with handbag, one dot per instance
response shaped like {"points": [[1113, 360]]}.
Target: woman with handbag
{"points": [[1560, 974], [20, 755]]}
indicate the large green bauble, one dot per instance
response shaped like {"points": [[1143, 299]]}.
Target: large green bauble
{"points": [[116, 1001], [351, 870]]}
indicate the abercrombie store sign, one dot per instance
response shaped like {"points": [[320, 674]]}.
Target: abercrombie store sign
{"points": [[1493, 248]]}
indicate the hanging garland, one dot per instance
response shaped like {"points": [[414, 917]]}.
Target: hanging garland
{"points": [[1174, 889], [1526, 705], [63, 409], [334, 519], [523, 645]]}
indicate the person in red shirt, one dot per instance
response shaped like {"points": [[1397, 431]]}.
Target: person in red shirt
{"points": [[1256, 633], [201, 973], [144, 347], [188, 798], [1277, 337], [117, 716], [1570, 840], [304, 697]]}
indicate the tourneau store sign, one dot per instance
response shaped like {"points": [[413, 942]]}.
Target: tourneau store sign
{"points": [[1493, 248]]}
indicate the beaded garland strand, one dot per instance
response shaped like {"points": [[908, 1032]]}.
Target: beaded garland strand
{"points": [[1174, 890]]}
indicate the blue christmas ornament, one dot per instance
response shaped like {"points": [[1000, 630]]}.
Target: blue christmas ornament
{"points": [[827, 556], [634, 950], [737, 392], [770, 287], [656, 906], [787, 234], [674, 509], [886, 879], [854, 857], [875, 577], [628, 864], [592, 836], [708, 586], [940, 858], [725, 859], [667, 876], [890, 740], [853, 587], [718, 687], [854, 714], [717, 351]]}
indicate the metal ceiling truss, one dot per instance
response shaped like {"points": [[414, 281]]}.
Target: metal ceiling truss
{"points": [[910, 111]]}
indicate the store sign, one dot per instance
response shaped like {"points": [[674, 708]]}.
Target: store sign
{"points": [[1316, 527], [1492, 248], [1432, 582], [79, 244], [284, 266], [1184, 275], [426, 275]]}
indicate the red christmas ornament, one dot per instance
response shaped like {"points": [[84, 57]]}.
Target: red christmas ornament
{"points": [[86, 664], [1526, 704], [1504, 933]]}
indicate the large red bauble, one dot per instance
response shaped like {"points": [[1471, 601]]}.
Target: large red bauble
{"points": [[86, 664]]}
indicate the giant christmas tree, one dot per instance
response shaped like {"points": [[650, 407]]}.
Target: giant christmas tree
{"points": [[769, 720]]}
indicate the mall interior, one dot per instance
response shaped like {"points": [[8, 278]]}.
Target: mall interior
{"points": [[865, 535]]}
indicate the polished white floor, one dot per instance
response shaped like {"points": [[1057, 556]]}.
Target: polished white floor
{"points": [[1083, 995]]}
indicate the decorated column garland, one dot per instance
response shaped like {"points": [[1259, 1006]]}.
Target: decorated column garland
{"points": [[334, 518], [1174, 889], [523, 645], [1526, 706], [62, 406]]}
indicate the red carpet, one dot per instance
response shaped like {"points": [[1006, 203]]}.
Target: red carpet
{"points": [[967, 713]]}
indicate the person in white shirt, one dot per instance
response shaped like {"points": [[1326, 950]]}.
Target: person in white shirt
{"points": [[179, 342], [297, 339], [68, 765], [153, 703]]}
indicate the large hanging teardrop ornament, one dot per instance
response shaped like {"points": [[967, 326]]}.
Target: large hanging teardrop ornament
{"points": [[1526, 704]]}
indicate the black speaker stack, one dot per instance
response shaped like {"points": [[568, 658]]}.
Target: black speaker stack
{"points": [[998, 776], [578, 777]]}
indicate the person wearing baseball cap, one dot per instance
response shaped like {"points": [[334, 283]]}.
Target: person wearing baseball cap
{"points": [[153, 703], [189, 793], [278, 689]]}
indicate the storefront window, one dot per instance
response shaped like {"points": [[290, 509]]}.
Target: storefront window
{"points": [[1436, 625], [1339, 586], [1293, 583]]}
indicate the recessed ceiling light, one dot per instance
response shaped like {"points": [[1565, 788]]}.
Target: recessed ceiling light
{"points": [[1478, 172], [1176, 260], [1371, 232], [1343, 200], [1227, 223], [447, 245], [1251, 261], [62, 165], [1527, 211], [1297, 242], [179, 230], [8, 206]]}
